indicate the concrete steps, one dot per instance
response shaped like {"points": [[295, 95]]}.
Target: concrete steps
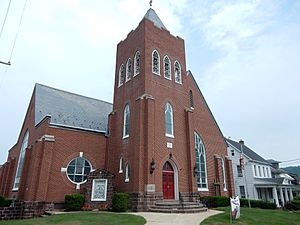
{"points": [[174, 206]]}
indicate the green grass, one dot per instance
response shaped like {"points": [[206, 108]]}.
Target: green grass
{"points": [[256, 217], [82, 218]]}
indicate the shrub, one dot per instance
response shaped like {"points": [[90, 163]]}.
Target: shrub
{"points": [[120, 202], [215, 201], [297, 197], [293, 205], [4, 202], [74, 202], [258, 204]]}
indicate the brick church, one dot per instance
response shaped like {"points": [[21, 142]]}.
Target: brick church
{"points": [[159, 138]]}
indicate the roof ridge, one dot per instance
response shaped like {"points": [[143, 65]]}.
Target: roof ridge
{"points": [[72, 93]]}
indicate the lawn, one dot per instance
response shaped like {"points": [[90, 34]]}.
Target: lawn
{"points": [[82, 218], [256, 217]]}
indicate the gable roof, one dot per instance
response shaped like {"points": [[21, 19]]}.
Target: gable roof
{"points": [[70, 110], [247, 151], [152, 16]]}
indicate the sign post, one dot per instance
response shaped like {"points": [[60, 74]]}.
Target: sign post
{"points": [[235, 209]]}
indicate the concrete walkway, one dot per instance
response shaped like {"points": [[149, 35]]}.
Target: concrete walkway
{"points": [[176, 218]]}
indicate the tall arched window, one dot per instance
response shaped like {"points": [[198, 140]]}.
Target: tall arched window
{"points": [[191, 99], [169, 120], [121, 75], [127, 173], [223, 174], [155, 62], [21, 161], [121, 165], [128, 70], [167, 68], [137, 61], [201, 172], [177, 71], [126, 121]]}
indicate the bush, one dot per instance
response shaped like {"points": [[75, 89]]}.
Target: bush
{"points": [[293, 205], [120, 202], [257, 204], [74, 202], [297, 197], [4, 202], [215, 201]]}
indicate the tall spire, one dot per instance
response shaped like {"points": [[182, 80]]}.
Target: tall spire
{"points": [[152, 16], [150, 3]]}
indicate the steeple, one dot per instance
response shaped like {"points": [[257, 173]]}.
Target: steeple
{"points": [[152, 16]]}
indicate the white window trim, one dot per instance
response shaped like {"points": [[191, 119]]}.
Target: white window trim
{"points": [[134, 64], [224, 175], [203, 189], [99, 199], [128, 79], [82, 168], [124, 121], [158, 63], [120, 84], [127, 173], [121, 165], [204, 153], [180, 73], [170, 78]]}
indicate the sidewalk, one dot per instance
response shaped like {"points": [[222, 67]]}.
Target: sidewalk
{"points": [[176, 219]]}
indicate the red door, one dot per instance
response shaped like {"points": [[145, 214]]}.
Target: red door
{"points": [[168, 181]]}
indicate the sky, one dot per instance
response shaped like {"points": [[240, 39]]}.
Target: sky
{"points": [[245, 56]]}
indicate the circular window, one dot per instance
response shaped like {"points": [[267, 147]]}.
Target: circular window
{"points": [[78, 169]]}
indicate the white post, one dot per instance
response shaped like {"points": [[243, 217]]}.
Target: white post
{"points": [[275, 196], [281, 196], [286, 195], [291, 194]]}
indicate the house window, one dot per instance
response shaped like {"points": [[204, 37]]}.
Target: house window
{"points": [[78, 169], [200, 163], [167, 68], [155, 63], [177, 70], [99, 190], [169, 120], [232, 152], [126, 121], [264, 171], [191, 99], [21, 161], [121, 165], [239, 171], [128, 70], [137, 61], [127, 173], [268, 174], [223, 175], [259, 171], [121, 75], [242, 192], [255, 171]]}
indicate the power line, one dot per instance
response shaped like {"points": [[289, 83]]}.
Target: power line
{"points": [[7, 10]]}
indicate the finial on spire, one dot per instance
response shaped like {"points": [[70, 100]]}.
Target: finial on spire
{"points": [[150, 3]]}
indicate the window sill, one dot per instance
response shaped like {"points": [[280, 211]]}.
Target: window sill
{"points": [[158, 74], [98, 200], [127, 80], [126, 136], [168, 78], [178, 82], [136, 74], [169, 135], [15, 189], [202, 189], [127, 180], [120, 171]]}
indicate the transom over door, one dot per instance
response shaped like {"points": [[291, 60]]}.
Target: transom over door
{"points": [[168, 181]]}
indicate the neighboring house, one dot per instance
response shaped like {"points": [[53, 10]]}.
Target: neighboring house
{"points": [[159, 137], [254, 176]]}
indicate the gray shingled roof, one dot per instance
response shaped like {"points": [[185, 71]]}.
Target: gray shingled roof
{"points": [[152, 16], [247, 151], [70, 110]]}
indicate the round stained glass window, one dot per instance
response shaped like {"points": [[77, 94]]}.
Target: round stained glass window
{"points": [[78, 169]]}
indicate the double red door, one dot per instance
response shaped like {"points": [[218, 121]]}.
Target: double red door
{"points": [[168, 181]]}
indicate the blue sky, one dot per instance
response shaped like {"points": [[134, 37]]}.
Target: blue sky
{"points": [[243, 54]]}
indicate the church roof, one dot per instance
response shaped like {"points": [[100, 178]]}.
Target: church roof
{"points": [[247, 151], [152, 16], [70, 110]]}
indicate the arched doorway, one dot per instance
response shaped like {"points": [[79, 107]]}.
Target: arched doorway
{"points": [[168, 181]]}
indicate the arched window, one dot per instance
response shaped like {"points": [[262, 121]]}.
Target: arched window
{"points": [[223, 174], [137, 61], [155, 63], [127, 173], [128, 70], [121, 75], [78, 169], [200, 164], [167, 68], [169, 120], [177, 70], [21, 161], [126, 121], [121, 165], [191, 99]]}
